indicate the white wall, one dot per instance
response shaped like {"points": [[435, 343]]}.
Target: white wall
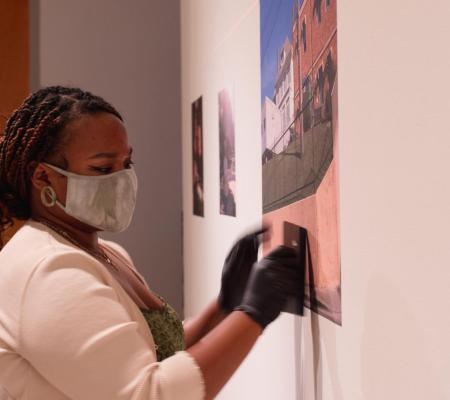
{"points": [[394, 197], [129, 53]]}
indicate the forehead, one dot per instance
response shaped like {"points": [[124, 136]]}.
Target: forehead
{"points": [[102, 132]]}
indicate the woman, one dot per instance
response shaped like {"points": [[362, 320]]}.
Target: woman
{"points": [[77, 320]]}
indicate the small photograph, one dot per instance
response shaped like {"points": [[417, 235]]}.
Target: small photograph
{"points": [[197, 157], [227, 155]]}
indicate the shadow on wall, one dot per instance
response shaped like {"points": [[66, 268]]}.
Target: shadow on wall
{"points": [[394, 349], [315, 355]]}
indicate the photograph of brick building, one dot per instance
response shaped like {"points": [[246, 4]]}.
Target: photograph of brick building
{"points": [[299, 131]]}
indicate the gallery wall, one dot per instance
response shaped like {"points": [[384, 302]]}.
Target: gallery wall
{"points": [[393, 65], [129, 53]]}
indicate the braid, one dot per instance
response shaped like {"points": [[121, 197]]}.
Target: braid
{"points": [[34, 132]]}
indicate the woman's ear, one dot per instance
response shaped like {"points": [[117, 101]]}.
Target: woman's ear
{"points": [[39, 175]]}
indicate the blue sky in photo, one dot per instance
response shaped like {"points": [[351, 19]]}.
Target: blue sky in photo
{"points": [[276, 25]]}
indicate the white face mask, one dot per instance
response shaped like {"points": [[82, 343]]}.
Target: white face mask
{"points": [[105, 201]]}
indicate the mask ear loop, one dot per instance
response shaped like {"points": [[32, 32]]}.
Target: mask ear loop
{"points": [[51, 192]]}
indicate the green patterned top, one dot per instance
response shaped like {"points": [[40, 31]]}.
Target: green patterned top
{"points": [[166, 328]]}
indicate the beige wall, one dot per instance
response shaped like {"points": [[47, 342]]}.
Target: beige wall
{"points": [[394, 201], [127, 52]]}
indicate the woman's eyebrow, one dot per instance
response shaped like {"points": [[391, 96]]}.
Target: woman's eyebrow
{"points": [[108, 154]]}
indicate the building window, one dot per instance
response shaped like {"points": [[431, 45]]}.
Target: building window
{"points": [[295, 40], [306, 104], [318, 10], [321, 85], [303, 35], [288, 111], [330, 69]]}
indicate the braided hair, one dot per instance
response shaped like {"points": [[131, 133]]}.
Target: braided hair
{"points": [[34, 133]]}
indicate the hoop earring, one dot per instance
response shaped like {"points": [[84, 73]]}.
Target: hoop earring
{"points": [[51, 192]]}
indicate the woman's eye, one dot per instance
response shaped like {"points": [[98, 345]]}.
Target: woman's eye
{"points": [[105, 170], [108, 170]]}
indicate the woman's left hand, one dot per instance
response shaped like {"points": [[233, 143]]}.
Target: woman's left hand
{"points": [[236, 269]]}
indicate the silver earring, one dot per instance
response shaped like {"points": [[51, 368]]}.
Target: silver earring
{"points": [[51, 192]]}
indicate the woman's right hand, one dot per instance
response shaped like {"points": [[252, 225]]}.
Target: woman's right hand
{"points": [[272, 280], [220, 352]]}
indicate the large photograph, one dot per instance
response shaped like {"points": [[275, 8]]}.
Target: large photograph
{"points": [[299, 135]]}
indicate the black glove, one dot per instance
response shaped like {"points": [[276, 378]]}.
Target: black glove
{"points": [[272, 281], [236, 269]]}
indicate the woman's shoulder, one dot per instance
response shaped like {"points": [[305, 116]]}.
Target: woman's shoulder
{"points": [[31, 240], [35, 244]]}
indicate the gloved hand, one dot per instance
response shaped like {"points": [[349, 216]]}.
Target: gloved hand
{"points": [[236, 269], [272, 281]]}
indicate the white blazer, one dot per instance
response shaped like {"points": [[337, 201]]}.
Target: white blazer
{"points": [[68, 330]]}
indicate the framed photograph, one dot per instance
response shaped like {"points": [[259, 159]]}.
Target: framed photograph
{"points": [[227, 155], [197, 158]]}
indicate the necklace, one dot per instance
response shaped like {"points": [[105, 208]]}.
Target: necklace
{"points": [[66, 235]]}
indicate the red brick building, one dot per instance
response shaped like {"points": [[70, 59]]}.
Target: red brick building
{"points": [[314, 38]]}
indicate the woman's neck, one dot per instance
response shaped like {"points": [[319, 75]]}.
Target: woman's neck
{"points": [[88, 239]]}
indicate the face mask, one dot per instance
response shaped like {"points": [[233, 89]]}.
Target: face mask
{"points": [[106, 201]]}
